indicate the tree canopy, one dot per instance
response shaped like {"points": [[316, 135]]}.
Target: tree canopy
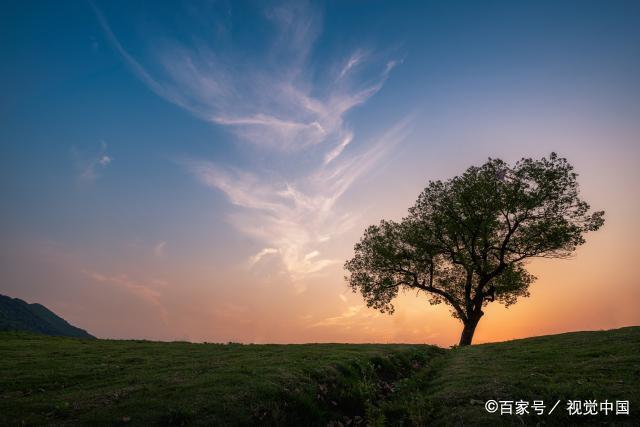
{"points": [[466, 240]]}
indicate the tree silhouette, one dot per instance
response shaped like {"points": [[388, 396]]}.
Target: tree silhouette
{"points": [[466, 240]]}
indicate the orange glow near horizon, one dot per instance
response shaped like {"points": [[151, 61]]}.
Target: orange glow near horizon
{"points": [[202, 175], [595, 290]]}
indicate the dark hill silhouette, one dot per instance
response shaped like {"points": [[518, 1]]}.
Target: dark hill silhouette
{"points": [[18, 315]]}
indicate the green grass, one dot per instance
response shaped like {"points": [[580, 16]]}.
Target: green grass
{"points": [[67, 381], [573, 366]]}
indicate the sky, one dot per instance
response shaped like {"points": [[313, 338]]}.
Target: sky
{"points": [[201, 170]]}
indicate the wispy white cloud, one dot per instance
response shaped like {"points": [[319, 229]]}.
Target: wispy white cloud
{"points": [[331, 155], [275, 102], [267, 99], [356, 58], [257, 257], [294, 219], [89, 163]]}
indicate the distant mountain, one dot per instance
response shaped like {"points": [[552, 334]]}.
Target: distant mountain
{"points": [[17, 315]]}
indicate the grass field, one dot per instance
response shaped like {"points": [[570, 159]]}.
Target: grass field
{"points": [[67, 381]]}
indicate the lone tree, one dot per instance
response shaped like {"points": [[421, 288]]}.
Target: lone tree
{"points": [[466, 240]]}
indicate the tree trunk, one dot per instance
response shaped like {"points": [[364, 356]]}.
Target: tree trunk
{"points": [[468, 331]]}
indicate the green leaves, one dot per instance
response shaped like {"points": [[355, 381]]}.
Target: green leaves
{"points": [[465, 241]]}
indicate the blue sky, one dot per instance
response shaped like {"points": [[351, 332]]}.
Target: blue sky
{"points": [[168, 153]]}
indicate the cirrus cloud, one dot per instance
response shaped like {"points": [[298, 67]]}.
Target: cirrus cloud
{"points": [[275, 101]]}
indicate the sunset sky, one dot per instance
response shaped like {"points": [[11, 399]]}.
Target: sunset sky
{"points": [[202, 171]]}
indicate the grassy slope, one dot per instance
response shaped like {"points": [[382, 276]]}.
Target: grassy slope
{"points": [[66, 381], [578, 366]]}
